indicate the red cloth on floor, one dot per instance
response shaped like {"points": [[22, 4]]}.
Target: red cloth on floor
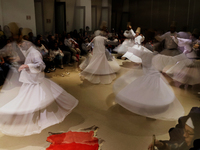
{"points": [[73, 146], [73, 141]]}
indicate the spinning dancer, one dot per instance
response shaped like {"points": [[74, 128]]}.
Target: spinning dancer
{"points": [[128, 42], [186, 71], [139, 38], [98, 69], [146, 92], [38, 104]]}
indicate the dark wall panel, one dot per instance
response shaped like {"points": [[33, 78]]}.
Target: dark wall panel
{"points": [[159, 14]]}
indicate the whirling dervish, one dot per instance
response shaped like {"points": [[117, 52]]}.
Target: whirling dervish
{"points": [[38, 103], [98, 68], [186, 71], [146, 92], [128, 42], [138, 39]]}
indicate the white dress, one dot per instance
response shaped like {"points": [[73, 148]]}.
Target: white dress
{"points": [[137, 46], [186, 71], [99, 69], [37, 104], [145, 92], [129, 42]]}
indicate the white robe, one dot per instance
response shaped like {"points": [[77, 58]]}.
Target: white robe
{"points": [[146, 92], [38, 104], [98, 69], [171, 48], [129, 42], [186, 71]]}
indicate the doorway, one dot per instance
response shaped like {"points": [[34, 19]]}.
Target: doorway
{"points": [[60, 17]]}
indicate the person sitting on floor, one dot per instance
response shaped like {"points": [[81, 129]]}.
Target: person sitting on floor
{"points": [[184, 134]]}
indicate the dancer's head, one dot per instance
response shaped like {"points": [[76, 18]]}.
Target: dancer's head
{"points": [[138, 31], [173, 27], [25, 45]]}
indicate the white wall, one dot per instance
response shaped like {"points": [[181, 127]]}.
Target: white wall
{"points": [[16, 11]]}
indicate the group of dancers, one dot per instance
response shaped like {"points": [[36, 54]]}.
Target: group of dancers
{"points": [[30, 102]]}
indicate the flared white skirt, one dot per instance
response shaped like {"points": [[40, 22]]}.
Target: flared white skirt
{"points": [[99, 69], [186, 71], [147, 95], [33, 107]]}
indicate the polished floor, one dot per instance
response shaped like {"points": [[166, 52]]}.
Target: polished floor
{"points": [[121, 129]]}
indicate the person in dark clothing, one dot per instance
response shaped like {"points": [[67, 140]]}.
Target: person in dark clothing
{"points": [[186, 132]]}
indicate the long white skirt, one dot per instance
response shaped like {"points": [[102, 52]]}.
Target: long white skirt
{"points": [[129, 54], [97, 69], [163, 62], [34, 108], [123, 48], [186, 71], [147, 95]]}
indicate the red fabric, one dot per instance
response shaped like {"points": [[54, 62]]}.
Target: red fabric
{"points": [[77, 57], [76, 45], [73, 141], [73, 146]]}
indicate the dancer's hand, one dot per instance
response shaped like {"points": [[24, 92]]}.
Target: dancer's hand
{"points": [[22, 67]]}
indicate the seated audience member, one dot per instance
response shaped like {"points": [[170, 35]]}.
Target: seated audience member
{"points": [[58, 56], [73, 45], [184, 134], [50, 41], [87, 33], [4, 68], [85, 47], [67, 53], [42, 41], [31, 37], [45, 54], [25, 37]]}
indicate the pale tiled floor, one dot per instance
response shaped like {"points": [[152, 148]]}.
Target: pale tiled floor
{"points": [[121, 129]]}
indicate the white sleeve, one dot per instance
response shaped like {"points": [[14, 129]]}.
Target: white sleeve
{"points": [[160, 38], [132, 32], [186, 43], [143, 38], [37, 65]]}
